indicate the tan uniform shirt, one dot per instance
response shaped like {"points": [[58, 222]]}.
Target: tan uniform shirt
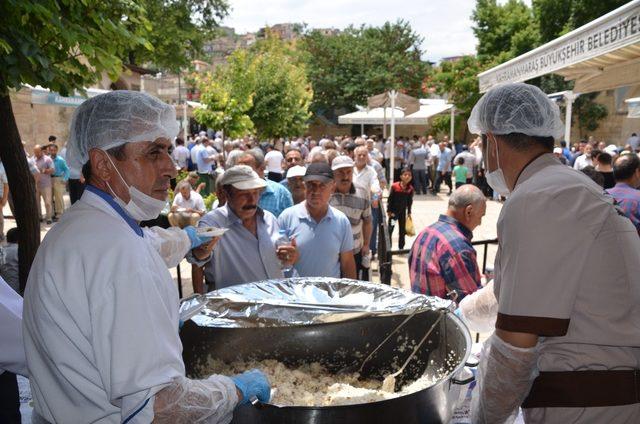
{"points": [[568, 270]]}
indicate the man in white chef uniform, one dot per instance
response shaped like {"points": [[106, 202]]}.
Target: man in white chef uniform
{"points": [[567, 278], [101, 309]]}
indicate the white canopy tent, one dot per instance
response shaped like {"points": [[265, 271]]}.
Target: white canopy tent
{"points": [[428, 109], [601, 55], [383, 115], [376, 116]]}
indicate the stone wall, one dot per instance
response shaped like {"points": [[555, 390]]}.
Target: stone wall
{"points": [[37, 122], [616, 127]]}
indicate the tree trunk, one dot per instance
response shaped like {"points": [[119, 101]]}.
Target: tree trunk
{"points": [[21, 186]]}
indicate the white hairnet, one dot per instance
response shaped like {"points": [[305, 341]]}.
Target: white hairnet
{"points": [[112, 119], [516, 108]]}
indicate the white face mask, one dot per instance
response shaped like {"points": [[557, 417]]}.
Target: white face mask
{"points": [[141, 207], [495, 179]]}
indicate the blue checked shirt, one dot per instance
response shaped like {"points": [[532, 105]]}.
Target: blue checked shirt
{"points": [[275, 198]]}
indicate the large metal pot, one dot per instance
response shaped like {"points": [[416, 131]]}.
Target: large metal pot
{"points": [[337, 345]]}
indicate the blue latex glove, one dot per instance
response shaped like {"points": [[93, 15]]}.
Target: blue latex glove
{"points": [[196, 240], [253, 383]]}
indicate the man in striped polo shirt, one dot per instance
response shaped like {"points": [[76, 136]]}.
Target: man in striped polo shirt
{"points": [[442, 261], [354, 201]]}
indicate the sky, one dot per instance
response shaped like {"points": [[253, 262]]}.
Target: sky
{"points": [[445, 25]]}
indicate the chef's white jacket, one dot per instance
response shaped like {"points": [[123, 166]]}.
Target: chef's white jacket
{"points": [[100, 318]]}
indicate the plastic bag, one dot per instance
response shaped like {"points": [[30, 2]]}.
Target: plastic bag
{"points": [[409, 229]]}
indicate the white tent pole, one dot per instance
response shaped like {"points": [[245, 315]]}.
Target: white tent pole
{"points": [[185, 121], [392, 161], [361, 129], [453, 117], [384, 123], [569, 98]]}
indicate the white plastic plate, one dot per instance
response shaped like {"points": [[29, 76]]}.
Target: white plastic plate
{"points": [[211, 231]]}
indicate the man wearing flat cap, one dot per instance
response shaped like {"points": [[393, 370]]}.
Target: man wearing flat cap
{"points": [[322, 233], [247, 251]]}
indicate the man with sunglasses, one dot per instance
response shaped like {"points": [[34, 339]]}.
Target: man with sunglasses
{"points": [[567, 341]]}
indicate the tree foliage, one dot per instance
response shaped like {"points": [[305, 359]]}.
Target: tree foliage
{"points": [[346, 68], [263, 88], [227, 98], [458, 80], [64, 45], [282, 94], [178, 30], [61, 45], [504, 31]]}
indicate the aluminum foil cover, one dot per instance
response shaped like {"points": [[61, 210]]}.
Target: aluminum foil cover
{"points": [[303, 301]]}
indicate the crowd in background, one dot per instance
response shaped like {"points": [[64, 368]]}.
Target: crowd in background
{"points": [[360, 168]]}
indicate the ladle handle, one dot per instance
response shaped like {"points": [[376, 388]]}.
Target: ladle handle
{"points": [[463, 382]]}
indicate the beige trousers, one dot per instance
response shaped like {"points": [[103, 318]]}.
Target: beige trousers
{"points": [[45, 194], [59, 188]]}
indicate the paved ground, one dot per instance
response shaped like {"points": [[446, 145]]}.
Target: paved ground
{"points": [[426, 209]]}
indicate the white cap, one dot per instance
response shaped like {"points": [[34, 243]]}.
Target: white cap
{"points": [[342, 162], [296, 171], [557, 150], [242, 177], [612, 149]]}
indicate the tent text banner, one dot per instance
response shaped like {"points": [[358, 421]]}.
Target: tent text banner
{"points": [[615, 30]]}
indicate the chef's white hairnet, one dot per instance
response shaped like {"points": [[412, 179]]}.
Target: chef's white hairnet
{"points": [[115, 118], [516, 108]]}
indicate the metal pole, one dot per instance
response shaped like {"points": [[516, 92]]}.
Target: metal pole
{"points": [[361, 129], [392, 161], [453, 118], [569, 98], [185, 119], [179, 281], [384, 124]]}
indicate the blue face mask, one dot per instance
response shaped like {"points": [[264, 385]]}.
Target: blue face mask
{"points": [[140, 207]]}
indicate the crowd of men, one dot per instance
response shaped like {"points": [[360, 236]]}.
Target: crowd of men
{"points": [[305, 208], [355, 172]]}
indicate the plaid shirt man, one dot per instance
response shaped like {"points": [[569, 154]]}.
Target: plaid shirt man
{"points": [[442, 259], [628, 199]]}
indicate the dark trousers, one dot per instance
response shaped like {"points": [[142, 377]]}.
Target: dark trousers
{"points": [[362, 273], [76, 188], [274, 176], [376, 218], [402, 221], [420, 183], [9, 399], [386, 168], [460, 183], [396, 174], [440, 178]]}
